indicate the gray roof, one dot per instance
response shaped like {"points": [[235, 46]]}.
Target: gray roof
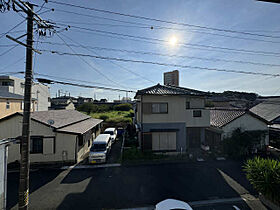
{"points": [[221, 117], [61, 118], [8, 95], [81, 127], [169, 90], [268, 110]]}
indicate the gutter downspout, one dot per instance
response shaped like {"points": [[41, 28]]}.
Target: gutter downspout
{"points": [[141, 136], [5, 177]]}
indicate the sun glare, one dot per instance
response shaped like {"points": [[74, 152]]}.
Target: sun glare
{"points": [[173, 41]]}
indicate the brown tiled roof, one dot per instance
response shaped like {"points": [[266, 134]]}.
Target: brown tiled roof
{"points": [[169, 90], [61, 118], [81, 127], [219, 118]]}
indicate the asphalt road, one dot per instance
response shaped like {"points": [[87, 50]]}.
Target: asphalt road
{"points": [[133, 186]]}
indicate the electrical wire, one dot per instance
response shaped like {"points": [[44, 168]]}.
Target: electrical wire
{"points": [[95, 69], [127, 70], [7, 51], [180, 43], [161, 54], [86, 86], [162, 21], [12, 28], [9, 65], [156, 27], [163, 64]]}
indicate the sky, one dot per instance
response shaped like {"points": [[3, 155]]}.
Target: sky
{"points": [[240, 15]]}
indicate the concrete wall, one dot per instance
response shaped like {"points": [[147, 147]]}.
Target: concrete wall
{"points": [[64, 144], [177, 111], [246, 123], [15, 106], [180, 134]]}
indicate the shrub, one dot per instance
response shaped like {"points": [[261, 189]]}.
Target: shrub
{"points": [[242, 143], [103, 117], [123, 107], [87, 107], [264, 175]]}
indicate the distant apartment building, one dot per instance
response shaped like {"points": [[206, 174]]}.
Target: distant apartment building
{"points": [[15, 85], [171, 78]]}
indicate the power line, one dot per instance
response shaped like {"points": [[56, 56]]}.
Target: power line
{"points": [[155, 27], [164, 64], [128, 70], [12, 28], [164, 21], [43, 80], [183, 44], [161, 54], [8, 50], [22, 58], [95, 69]]}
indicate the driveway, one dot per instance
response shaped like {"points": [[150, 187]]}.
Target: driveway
{"points": [[132, 186]]}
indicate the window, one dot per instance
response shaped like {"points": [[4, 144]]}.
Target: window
{"points": [[36, 144], [197, 113], [7, 83], [159, 108], [7, 105], [187, 105]]}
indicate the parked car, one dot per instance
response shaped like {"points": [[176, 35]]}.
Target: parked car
{"points": [[169, 204], [112, 132], [100, 149], [120, 131]]}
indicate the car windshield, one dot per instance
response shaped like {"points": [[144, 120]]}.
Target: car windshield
{"points": [[109, 132], [98, 147]]}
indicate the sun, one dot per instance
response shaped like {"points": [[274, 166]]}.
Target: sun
{"points": [[173, 40]]}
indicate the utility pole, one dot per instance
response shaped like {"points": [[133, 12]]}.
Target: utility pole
{"points": [[25, 141]]}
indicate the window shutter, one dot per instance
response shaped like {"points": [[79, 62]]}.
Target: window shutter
{"points": [[147, 108]]}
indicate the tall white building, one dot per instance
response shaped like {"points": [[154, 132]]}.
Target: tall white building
{"points": [[171, 78], [16, 85]]}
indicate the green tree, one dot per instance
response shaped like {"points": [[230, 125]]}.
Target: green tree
{"points": [[123, 107]]}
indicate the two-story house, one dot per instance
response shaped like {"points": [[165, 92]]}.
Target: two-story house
{"points": [[40, 92], [11, 103], [171, 119]]}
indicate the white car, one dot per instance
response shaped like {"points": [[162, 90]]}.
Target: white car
{"points": [[112, 132], [169, 204]]}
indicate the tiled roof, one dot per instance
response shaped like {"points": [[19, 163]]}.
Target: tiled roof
{"points": [[221, 117], [8, 95], [268, 110], [169, 90], [61, 118], [81, 127]]}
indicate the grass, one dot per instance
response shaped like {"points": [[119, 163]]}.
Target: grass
{"points": [[114, 116]]}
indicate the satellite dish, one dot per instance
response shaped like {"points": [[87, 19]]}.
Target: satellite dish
{"points": [[50, 122]]}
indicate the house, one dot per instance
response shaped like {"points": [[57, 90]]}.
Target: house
{"points": [[57, 136], [224, 121], [171, 119], [269, 110], [15, 85], [4, 143], [11, 103], [62, 103]]}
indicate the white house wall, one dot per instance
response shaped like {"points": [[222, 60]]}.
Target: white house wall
{"points": [[64, 143], [245, 122], [177, 111]]}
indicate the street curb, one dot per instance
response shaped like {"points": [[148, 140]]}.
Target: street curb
{"points": [[91, 166], [215, 201]]}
